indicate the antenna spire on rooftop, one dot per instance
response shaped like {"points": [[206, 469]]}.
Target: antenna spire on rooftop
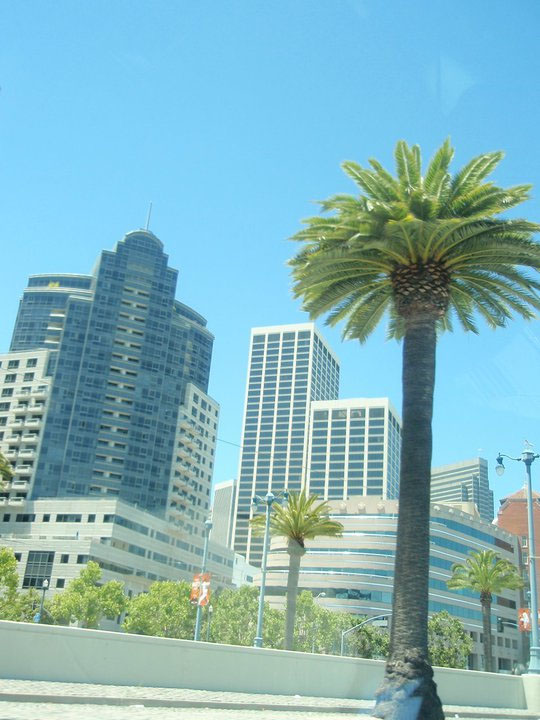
{"points": [[148, 217]]}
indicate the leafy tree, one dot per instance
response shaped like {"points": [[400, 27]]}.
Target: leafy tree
{"points": [[300, 519], [315, 628], [6, 471], [9, 579], [369, 641], [449, 643], [234, 620], [86, 601], [164, 611], [486, 573], [425, 250]]}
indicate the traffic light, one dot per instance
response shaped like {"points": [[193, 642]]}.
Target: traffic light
{"points": [[500, 626]]}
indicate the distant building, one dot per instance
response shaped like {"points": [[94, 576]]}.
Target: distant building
{"points": [[354, 448], [512, 517], [290, 366], [465, 481], [223, 512], [356, 571]]}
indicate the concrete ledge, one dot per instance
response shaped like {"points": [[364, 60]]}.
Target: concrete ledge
{"points": [[41, 652]]}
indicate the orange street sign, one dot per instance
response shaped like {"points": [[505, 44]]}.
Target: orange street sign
{"points": [[524, 619]]}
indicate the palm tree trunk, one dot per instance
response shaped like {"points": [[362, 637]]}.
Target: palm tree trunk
{"points": [[295, 555], [486, 623], [408, 689]]}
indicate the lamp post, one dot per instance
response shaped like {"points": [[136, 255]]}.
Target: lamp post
{"points": [[207, 528], [528, 457], [44, 588], [355, 627], [315, 627], [268, 500], [208, 622]]}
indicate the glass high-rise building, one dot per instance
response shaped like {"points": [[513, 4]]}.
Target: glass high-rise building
{"points": [[122, 353], [354, 448], [290, 366]]}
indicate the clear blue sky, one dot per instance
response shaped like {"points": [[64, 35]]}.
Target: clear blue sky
{"points": [[233, 117]]}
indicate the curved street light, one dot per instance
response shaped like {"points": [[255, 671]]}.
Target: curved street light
{"points": [[528, 457]]}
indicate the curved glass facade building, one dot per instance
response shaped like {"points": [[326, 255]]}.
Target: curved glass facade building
{"points": [[122, 353], [356, 571]]}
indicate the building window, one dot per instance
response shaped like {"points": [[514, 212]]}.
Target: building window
{"points": [[7, 392], [31, 362], [82, 559], [92, 518], [7, 517], [46, 517], [69, 517], [28, 377], [64, 558], [12, 364], [38, 568], [60, 582], [10, 378]]}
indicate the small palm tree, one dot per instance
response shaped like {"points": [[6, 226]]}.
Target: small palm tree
{"points": [[299, 520], [486, 573], [425, 250]]}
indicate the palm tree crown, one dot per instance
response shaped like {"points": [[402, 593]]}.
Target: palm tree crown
{"points": [[301, 518], [419, 244], [486, 573]]}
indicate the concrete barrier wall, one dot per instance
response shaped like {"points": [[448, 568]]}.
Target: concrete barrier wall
{"points": [[42, 652]]}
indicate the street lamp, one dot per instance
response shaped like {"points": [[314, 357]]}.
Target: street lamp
{"points": [[268, 500], [528, 457], [44, 588], [355, 627], [208, 622], [207, 528], [315, 627]]}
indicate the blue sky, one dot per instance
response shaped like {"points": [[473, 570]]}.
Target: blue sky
{"points": [[233, 117]]}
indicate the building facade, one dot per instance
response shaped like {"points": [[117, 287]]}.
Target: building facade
{"points": [[465, 481], [124, 358], [53, 539], [354, 448], [290, 366], [223, 512], [512, 517], [24, 392], [356, 572]]}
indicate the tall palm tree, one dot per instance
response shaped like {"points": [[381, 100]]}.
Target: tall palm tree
{"points": [[486, 573], [301, 519], [425, 250]]}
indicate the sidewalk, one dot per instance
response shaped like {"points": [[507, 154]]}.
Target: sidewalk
{"points": [[55, 698]]}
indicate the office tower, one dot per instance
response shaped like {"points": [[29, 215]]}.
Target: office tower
{"points": [[122, 353], [465, 481], [223, 512], [354, 448], [290, 366], [188, 502], [24, 391]]}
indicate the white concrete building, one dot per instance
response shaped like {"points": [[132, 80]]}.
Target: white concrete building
{"points": [[223, 512], [24, 393], [354, 448], [52, 539]]}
